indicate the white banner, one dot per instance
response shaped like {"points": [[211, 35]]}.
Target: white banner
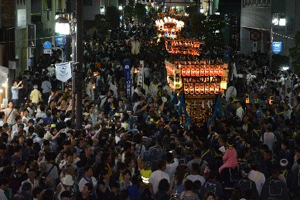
{"points": [[63, 71], [140, 78]]}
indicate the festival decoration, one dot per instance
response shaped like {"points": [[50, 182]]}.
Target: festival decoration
{"points": [[196, 82]]}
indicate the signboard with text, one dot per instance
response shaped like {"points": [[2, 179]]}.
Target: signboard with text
{"points": [[127, 72], [276, 47]]}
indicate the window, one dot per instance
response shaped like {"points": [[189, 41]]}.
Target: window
{"points": [[47, 5], [258, 3]]}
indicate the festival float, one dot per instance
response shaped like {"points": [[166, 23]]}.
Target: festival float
{"points": [[196, 81]]}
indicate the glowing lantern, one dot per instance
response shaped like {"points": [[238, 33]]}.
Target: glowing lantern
{"points": [[192, 88], [201, 88], [207, 69], [94, 86], [188, 71], [186, 89], [95, 74], [197, 88], [183, 71], [197, 71], [207, 88], [217, 89], [223, 85], [202, 70], [192, 71], [212, 88]]}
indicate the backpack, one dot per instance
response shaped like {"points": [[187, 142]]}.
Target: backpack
{"points": [[155, 154], [245, 185], [275, 188], [210, 187]]}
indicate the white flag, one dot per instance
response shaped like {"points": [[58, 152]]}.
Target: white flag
{"points": [[63, 71]]}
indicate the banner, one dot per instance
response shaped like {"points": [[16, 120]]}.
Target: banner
{"points": [[127, 72], [140, 78], [217, 111], [63, 71]]}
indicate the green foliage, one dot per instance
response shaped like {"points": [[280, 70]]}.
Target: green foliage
{"points": [[101, 25], [197, 24], [112, 17], [213, 32], [279, 61], [295, 53], [192, 10], [140, 12], [128, 13]]}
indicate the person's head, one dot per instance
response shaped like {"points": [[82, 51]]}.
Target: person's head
{"points": [[48, 195], [66, 195], [88, 171], [10, 104], [3, 183], [126, 175], [31, 174], [275, 170], [26, 187], [161, 164], [188, 185], [115, 187], [163, 185], [197, 153], [37, 192], [209, 196], [87, 188]]}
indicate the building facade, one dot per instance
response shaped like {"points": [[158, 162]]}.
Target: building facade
{"points": [[264, 21]]}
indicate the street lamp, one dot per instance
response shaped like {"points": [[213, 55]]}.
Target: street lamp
{"points": [[62, 26]]}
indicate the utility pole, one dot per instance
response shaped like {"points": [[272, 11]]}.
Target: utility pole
{"points": [[79, 57]]}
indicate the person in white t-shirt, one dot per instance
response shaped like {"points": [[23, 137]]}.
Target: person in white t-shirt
{"points": [[256, 176], [157, 176], [195, 176], [239, 111]]}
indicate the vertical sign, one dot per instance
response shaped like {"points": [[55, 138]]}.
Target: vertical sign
{"points": [[140, 79], [276, 47], [127, 72]]}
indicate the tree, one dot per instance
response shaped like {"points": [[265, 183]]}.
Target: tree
{"points": [[101, 25], [140, 12], [295, 54], [112, 17], [128, 13], [213, 32], [197, 24]]}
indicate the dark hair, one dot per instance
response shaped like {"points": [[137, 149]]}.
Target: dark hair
{"points": [[89, 186], [48, 195], [3, 181], [36, 191], [127, 171], [209, 194], [161, 163], [66, 194], [87, 168], [163, 185], [275, 169], [188, 185]]}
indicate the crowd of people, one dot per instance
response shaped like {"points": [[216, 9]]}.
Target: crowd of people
{"points": [[135, 146]]}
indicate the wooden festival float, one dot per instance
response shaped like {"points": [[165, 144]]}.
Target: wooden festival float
{"points": [[196, 80]]}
